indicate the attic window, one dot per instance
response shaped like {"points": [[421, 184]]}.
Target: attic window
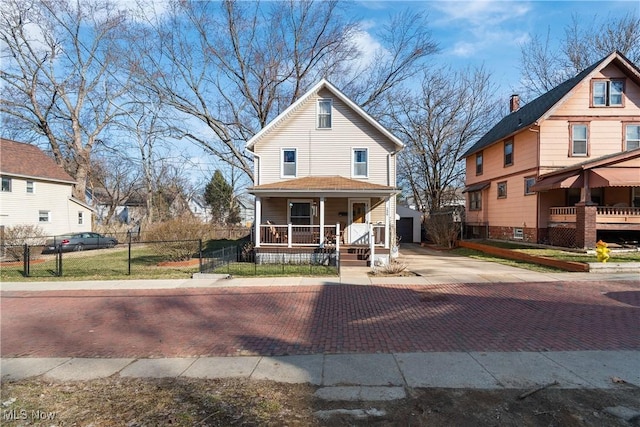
{"points": [[324, 113], [607, 93]]}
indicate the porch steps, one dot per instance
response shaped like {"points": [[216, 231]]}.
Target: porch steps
{"points": [[354, 256]]}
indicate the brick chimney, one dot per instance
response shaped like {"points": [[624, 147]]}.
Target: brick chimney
{"points": [[514, 103]]}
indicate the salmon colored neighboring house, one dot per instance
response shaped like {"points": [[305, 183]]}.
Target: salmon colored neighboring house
{"points": [[563, 169], [324, 177]]}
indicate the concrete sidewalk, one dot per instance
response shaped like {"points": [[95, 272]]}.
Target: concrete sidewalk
{"points": [[363, 376]]}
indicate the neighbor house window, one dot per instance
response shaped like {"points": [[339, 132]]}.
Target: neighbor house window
{"points": [[475, 200], [607, 93], [508, 153], [324, 113], [6, 184], [479, 161], [44, 216], [300, 212], [579, 140], [632, 137], [289, 168], [80, 217], [518, 233], [30, 187], [502, 189], [528, 183], [360, 168]]}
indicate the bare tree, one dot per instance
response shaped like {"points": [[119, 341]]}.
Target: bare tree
{"points": [[58, 75], [585, 42], [233, 66], [450, 111]]}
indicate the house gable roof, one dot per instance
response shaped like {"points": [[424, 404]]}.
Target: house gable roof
{"points": [[322, 84], [542, 107], [28, 161]]}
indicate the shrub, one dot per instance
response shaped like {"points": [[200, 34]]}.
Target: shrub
{"points": [[441, 228], [176, 239], [393, 268], [17, 236]]}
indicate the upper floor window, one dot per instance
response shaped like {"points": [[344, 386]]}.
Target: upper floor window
{"points": [[632, 137], [289, 168], [502, 190], [80, 217], [607, 93], [360, 162], [479, 161], [324, 113], [528, 183], [30, 187], [579, 140], [6, 184], [508, 153]]}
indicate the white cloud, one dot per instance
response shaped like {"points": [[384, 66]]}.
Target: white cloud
{"points": [[369, 48]]}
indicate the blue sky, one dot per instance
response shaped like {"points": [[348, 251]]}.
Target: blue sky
{"points": [[490, 32]]}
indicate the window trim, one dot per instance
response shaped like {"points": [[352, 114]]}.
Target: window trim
{"points": [[572, 141], [319, 113], [625, 143], [504, 152], [518, 233], [32, 187], [8, 181], [527, 188], [480, 165], [607, 92], [40, 216], [475, 203], [353, 162], [282, 163], [501, 189]]}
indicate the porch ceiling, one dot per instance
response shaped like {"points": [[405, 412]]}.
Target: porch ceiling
{"points": [[598, 177], [323, 186]]}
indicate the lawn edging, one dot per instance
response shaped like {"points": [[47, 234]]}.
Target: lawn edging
{"points": [[509, 254]]}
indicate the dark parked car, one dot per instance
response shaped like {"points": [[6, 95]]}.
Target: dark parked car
{"points": [[79, 242]]}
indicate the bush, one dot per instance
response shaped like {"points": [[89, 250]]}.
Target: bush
{"points": [[442, 230], [177, 239], [17, 236]]}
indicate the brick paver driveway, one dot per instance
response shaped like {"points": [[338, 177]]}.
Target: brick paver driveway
{"points": [[315, 319]]}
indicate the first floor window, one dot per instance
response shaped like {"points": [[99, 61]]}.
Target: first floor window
{"points": [[632, 137], [528, 183], [502, 190], [360, 162], [300, 212], [475, 200], [579, 140], [289, 163], [80, 217], [6, 184], [44, 216]]}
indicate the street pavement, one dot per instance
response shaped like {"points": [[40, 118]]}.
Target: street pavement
{"points": [[461, 323]]}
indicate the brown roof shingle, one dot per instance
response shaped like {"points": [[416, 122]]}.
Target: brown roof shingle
{"points": [[26, 160], [322, 183]]}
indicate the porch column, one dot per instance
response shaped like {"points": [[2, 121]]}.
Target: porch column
{"points": [[387, 231], [257, 221], [321, 220], [586, 228]]}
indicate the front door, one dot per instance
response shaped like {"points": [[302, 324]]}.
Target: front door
{"points": [[358, 233]]}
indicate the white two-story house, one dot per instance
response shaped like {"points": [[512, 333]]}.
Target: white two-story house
{"points": [[36, 191], [325, 179]]}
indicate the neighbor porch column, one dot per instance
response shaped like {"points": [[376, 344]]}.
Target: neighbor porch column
{"points": [[387, 221], [321, 220], [257, 221]]}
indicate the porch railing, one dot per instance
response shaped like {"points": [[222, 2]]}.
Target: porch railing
{"points": [[298, 235], [604, 214]]}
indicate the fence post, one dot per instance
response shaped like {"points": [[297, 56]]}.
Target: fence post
{"points": [[59, 256], [129, 256], [200, 254], [25, 260]]}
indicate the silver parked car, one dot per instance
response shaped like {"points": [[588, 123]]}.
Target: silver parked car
{"points": [[79, 242]]}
